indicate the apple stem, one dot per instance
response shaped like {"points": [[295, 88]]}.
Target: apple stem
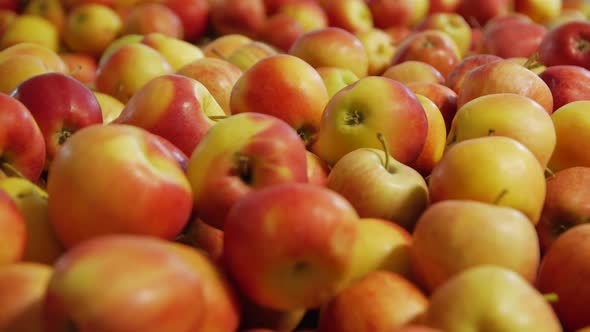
{"points": [[533, 62], [491, 132], [500, 196], [551, 297], [11, 171], [218, 117], [218, 53], [385, 148], [549, 173], [76, 70]]}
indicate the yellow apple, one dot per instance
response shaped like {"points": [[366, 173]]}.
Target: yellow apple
{"points": [[91, 28], [572, 127], [436, 137], [30, 29]]}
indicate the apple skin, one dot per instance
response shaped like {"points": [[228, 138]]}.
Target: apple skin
{"points": [[512, 39], [81, 67], [260, 317], [504, 76], [237, 16], [336, 78], [161, 293], [443, 97], [456, 76], [317, 169], [22, 145], [489, 295], [22, 290], [116, 162], [387, 13], [146, 18], [180, 114], [504, 114], [61, 105], [351, 120], [110, 107], [567, 83], [12, 230], [176, 51], [48, 57], [285, 260], [29, 28], [451, 23], [281, 31], [454, 235], [436, 138], [413, 71], [311, 14], [18, 68], [572, 129], [193, 14], [506, 173], [223, 46], [202, 236], [332, 47], [566, 204], [247, 55], [566, 44], [397, 193], [350, 15], [242, 154], [381, 301], [481, 11], [443, 6], [416, 328], [539, 11], [379, 47], [285, 87]]}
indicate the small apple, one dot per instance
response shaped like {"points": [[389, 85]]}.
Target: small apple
{"points": [[571, 128], [387, 13], [539, 11], [455, 77], [451, 23], [351, 15], [237, 17]]}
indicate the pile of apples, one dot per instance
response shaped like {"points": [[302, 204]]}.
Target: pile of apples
{"points": [[294, 165]]}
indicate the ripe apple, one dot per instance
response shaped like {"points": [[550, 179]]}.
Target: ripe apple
{"points": [[351, 120], [99, 168], [567, 83], [27, 28], [61, 105], [116, 44], [13, 231], [240, 155], [146, 18], [90, 28], [281, 31], [335, 78], [435, 138], [18, 68], [223, 46], [443, 6], [443, 97], [479, 12], [299, 94], [380, 301], [332, 47], [258, 317], [193, 14], [413, 71], [387, 13], [451, 23], [566, 204], [176, 51], [566, 15], [566, 44], [51, 10], [48, 57], [81, 66], [200, 235], [110, 106], [351, 15], [379, 47], [309, 13], [506, 114], [289, 246], [237, 17], [572, 125], [516, 38], [539, 11], [491, 169], [247, 55], [456, 76], [317, 169]]}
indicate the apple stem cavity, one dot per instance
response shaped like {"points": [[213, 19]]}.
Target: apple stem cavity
{"points": [[244, 168], [500, 196], [308, 135], [583, 45], [551, 297], [491, 132], [533, 62], [63, 136], [385, 148], [354, 118]]}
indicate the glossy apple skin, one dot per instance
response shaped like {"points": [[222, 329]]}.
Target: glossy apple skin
{"points": [[443, 97], [102, 167], [22, 144], [566, 44], [563, 270], [12, 231], [289, 246], [455, 77], [61, 105], [285, 87], [317, 169], [567, 83], [239, 155], [451, 23], [566, 205], [381, 301], [571, 123], [512, 39]]}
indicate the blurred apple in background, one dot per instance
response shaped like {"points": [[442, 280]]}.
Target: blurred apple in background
{"points": [[479, 12], [193, 14], [281, 31], [146, 18], [572, 127], [317, 169], [259, 317], [567, 83], [223, 46], [237, 16], [81, 66], [567, 204], [566, 15], [13, 231], [308, 13], [27, 28], [452, 24], [531, 63], [202, 236], [443, 6], [539, 11], [351, 15], [379, 47], [566, 44], [247, 55], [435, 138], [176, 51], [336, 78], [413, 71], [51, 10], [110, 107], [387, 13], [516, 38], [239, 155], [416, 328], [91, 28], [455, 77], [118, 43], [6, 16], [443, 97], [18, 68]]}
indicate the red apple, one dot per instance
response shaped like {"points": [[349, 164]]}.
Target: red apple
{"points": [[238, 16], [387, 13], [481, 11], [12, 231], [443, 6], [567, 83], [308, 13], [566, 44], [281, 31], [146, 18], [443, 97], [512, 39], [193, 14], [455, 77], [350, 15]]}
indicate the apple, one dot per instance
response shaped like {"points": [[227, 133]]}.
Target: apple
{"points": [[272, 6], [193, 14], [218, 76], [117, 162], [451, 23], [299, 94], [506, 114], [489, 295], [27, 28], [61, 105], [530, 63], [181, 113], [22, 290], [567, 83], [566, 204], [539, 11], [434, 47], [129, 68], [6, 16], [116, 44], [202, 236], [336, 78], [237, 17], [479, 12], [387, 13], [281, 31], [51, 10], [255, 316], [177, 52], [242, 154], [309, 13], [18, 68], [22, 145], [350, 15], [490, 169], [455, 77], [571, 127], [443, 97], [249, 54], [81, 66], [566, 44], [435, 138], [289, 246], [566, 15], [504, 76], [416, 328], [332, 47], [91, 28], [379, 47], [378, 186], [317, 169], [9, 5], [516, 38], [353, 117], [443, 6], [48, 57], [380, 301], [413, 71], [110, 107], [146, 18], [12, 230], [223, 46]]}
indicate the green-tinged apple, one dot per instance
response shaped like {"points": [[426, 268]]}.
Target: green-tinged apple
{"points": [[13, 233], [175, 107], [308, 13], [218, 76], [378, 186], [176, 51], [381, 245], [18, 68], [90, 28], [223, 46], [162, 292], [317, 169], [488, 296], [249, 54], [413, 71], [289, 246], [336, 78], [491, 169], [455, 78], [572, 127], [110, 106], [563, 272], [443, 97], [479, 12], [61, 105], [567, 204], [22, 145], [379, 47], [451, 23], [145, 18], [407, 13], [352, 119], [454, 235], [506, 114], [47, 56], [539, 11], [567, 83], [381, 302], [504, 76], [350, 15], [436, 137], [42, 245], [240, 155], [128, 68], [285, 87], [22, 291], [332, 47], [237, 17], [100, 168], [255, 316], [281, 31], [566, 44]]}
